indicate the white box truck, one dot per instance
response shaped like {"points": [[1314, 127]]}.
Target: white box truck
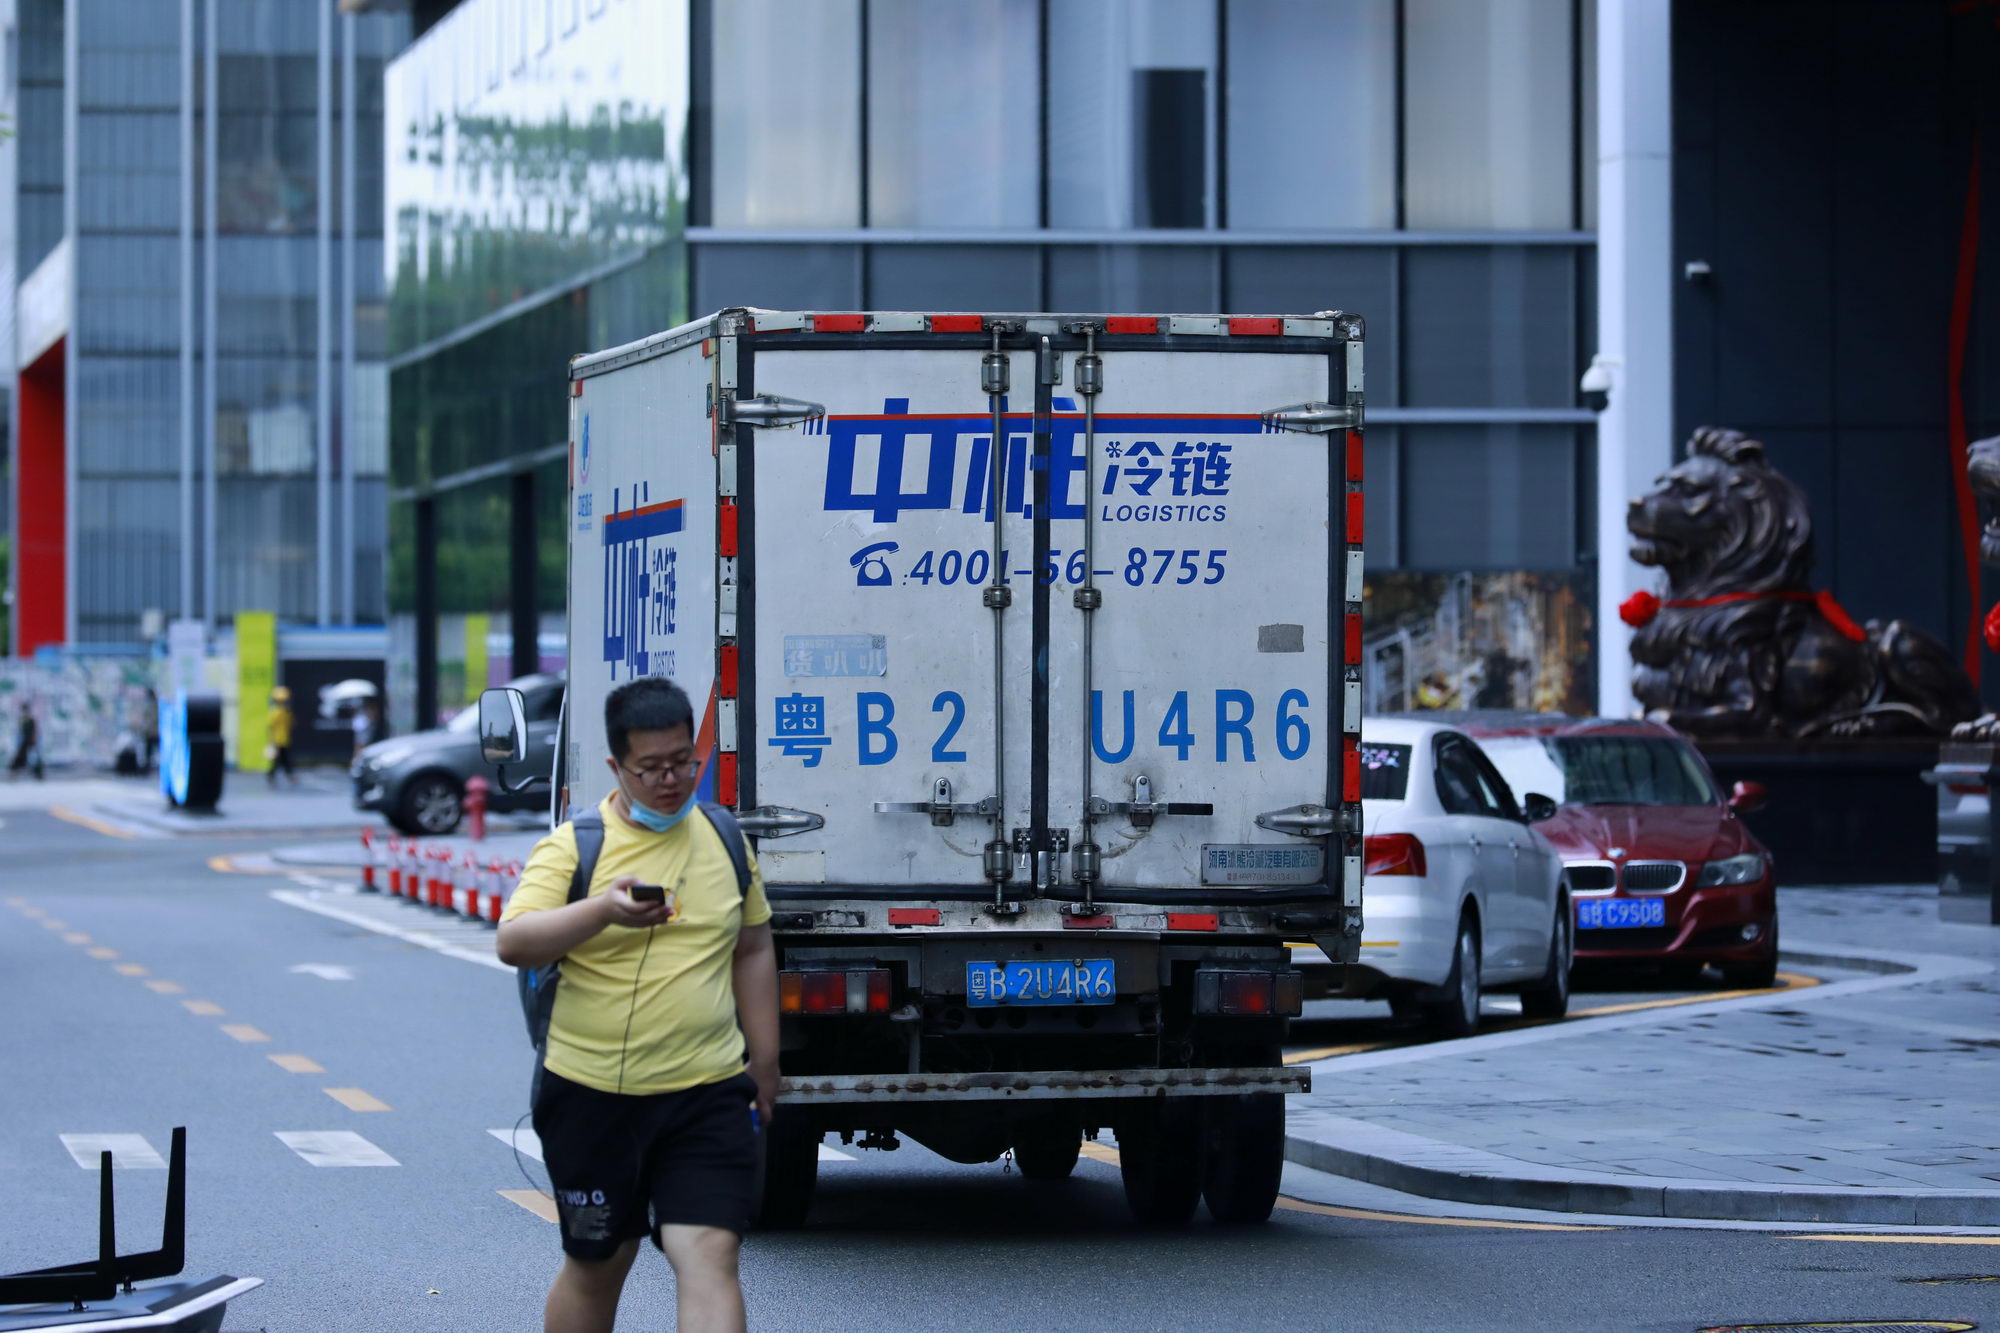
{"points": [[1048, 747]]}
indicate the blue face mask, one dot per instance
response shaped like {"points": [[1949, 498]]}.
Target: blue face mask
{"points": [[653, 821]]}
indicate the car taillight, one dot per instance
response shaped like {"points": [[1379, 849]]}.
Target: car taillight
{"points": [[856, 992], [1394, 854], [1251, 993]]}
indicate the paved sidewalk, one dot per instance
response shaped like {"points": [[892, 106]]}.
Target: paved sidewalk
{"points": [[1870, 1098]]}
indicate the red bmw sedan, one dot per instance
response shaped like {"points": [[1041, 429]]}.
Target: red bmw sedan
{"points": [[1661, 868]]}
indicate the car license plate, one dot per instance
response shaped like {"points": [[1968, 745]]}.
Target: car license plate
{"points": [[1054, 981], [1620, 913]]}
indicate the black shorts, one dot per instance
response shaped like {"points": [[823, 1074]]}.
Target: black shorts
{"points": [[622, 1166]]}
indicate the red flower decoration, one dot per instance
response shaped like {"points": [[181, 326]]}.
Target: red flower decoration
{"points": [[1642, 606], [1993, 628]]}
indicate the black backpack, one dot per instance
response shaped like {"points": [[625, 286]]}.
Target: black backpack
{"points": [[537, 985]]}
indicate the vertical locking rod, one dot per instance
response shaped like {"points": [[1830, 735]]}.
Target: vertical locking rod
{"points": [[1089, 382], [993, 370]]}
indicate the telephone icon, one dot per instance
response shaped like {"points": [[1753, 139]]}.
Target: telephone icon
{"points": [[872, 571]]}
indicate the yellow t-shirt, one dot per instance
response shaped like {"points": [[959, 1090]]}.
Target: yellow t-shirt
{"points": [[278, 725], [677, 992]]}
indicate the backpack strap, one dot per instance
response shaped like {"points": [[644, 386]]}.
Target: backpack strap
{"points": [[588, 826], [725, 823]]}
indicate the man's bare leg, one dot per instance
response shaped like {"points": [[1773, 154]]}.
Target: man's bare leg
{"points": [[709, 1294], [584, 1297]]}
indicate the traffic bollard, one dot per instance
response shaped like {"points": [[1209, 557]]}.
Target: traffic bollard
{"points": [[495, 884], [395, 867], [368, 859], [468, 877]]}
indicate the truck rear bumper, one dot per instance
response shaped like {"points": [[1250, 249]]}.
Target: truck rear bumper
{"points": [[1049, 1085]]}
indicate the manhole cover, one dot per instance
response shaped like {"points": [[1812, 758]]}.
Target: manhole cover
{"points": [[1852, 1326]]}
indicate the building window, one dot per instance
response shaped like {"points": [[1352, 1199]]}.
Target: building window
{"points": [[1486, 112], [953, 101], [1311, 118], [786, 143], [1131, 113]]}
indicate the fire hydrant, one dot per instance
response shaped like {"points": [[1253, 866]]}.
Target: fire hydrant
{"points": [[475, 807]]}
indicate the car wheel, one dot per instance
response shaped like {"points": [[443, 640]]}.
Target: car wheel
{"points": [[430, 804], [1457, 1014], [1047, 1152], [1549, 997]]}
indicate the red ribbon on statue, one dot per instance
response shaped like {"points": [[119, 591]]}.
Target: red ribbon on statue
{"points": [[1992, 628], [1640, 608]]}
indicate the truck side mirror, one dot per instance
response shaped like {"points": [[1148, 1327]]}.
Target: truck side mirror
{"points": [[503, 727], [1747, 797], [1538, 807]]}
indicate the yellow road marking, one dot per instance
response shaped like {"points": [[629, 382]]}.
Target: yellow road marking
{"points": [[1327, 1052], [101, 952], [94, 825], [206, 1008], [244, 1032], [17, 902], [538, 1202], [50, 923], [1904, 1240], [1099, 1153], [354, 1099], [297, 1064], [167, 987], [76, 937], [32, 911], [130, 969]]}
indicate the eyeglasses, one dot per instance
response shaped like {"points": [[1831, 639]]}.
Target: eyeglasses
{"points": [[655, 774]]}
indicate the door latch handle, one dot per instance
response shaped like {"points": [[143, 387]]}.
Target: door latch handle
{"points": [[1303, 821], [941, 808], [778, 821], [1142, 809]]}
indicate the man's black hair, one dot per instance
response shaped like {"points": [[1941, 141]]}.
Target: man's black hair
{"points": [[651, 704]]}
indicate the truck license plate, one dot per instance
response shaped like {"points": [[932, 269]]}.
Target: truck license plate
{"points": [[1620, 913], [1054, 981]]}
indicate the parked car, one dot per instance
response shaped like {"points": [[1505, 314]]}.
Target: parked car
{"points": [[1460, 893], [418, 780], [1662, 867]]}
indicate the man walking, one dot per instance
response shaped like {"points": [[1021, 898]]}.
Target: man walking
{"points": [[28, 750], [662, 1055]]}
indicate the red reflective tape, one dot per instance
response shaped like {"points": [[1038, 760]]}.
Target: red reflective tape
{"points": [[725, 671], [1356, 512], [725, 779], [576, 388], [1102, 921], [1353, 458], [1352, 655], [1193, 921], [839, 323], [1256, 325], [1132, 324], [914, 916], [956, 324], [1350, 768], [725, 528], [707, 347]]}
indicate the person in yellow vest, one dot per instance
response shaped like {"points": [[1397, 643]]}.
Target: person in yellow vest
{"points": [[278, 737]]}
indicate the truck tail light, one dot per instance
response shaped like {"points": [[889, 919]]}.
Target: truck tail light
{"points": [[856, 992], [1256, 994], [1395, 854]]}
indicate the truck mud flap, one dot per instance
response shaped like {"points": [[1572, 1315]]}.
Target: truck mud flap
{"points": [[831, 1090]]}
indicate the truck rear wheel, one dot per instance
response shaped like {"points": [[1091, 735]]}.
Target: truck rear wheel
{"points": [[1246, 1156], [1159, 1156], [791, 1172], [1047, 1152]]}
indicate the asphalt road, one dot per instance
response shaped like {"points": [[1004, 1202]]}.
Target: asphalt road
{"points": [[147, 990]]}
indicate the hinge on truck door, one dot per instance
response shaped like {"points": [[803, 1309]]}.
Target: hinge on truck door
{"points": [[1303, 821], [765, 409], [1315, 418], [1142, 809], [941, 808]]}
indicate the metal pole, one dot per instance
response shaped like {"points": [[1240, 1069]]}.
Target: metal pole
{"points": [[348, 249], [993, 378], [187, 308], [323, 330], [211, 109], [72, 97]]}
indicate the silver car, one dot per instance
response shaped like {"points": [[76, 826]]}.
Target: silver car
{"points": [[418, 780]]}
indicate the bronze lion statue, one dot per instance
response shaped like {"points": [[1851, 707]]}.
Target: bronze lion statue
{"points": [[1740, 646], [1983, 472]]}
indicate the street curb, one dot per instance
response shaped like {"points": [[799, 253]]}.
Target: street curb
{"points": [[1361, 1150]]}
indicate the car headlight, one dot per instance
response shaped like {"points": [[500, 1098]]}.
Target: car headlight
{"points": [[1744, 869]]}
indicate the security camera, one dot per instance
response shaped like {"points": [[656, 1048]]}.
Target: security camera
{"points": [[1595, 386]]}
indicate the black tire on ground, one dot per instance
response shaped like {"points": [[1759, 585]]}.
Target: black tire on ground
{"points": [[1047, 1152], [790, 1172], [429, 805], [1679, 975], [1159, 1156], [1404, 1006], [1549, 997], [1246, 1156], [1457, 1014]]}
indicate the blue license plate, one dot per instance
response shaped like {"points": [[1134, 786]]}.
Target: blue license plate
{"points": [[1056, 981], [1620, 913]]}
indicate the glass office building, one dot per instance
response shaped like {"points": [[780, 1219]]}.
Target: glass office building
{"points": [[1426, 163], [200, 314]]}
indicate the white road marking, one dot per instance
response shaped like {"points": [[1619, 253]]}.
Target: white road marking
{"points": [[437, 940], [526, 1140], [832, 1154], [129, 1152], [334, 1147], [325, 971]]}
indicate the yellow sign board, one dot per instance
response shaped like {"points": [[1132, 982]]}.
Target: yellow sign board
{"points": [[256, 674], [476, 627]]}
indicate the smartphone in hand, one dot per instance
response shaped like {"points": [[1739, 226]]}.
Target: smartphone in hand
{"points": [[648, 893]]}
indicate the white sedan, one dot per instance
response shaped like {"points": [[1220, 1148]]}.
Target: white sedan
{"points": [[1461, 894]]}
